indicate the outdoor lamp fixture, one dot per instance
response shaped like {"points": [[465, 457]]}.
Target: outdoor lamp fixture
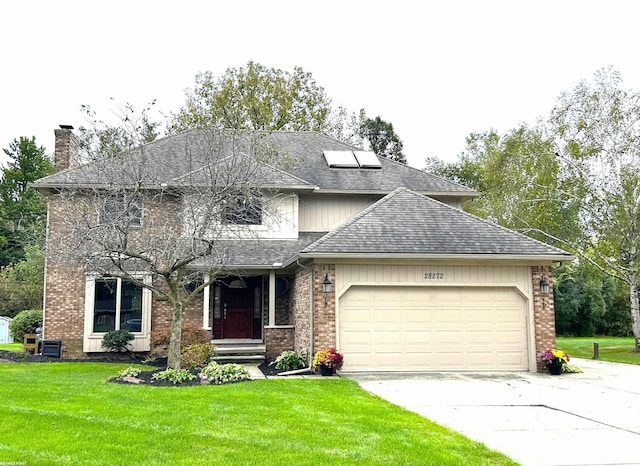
{"points": [[326, 288], [544, 285]]}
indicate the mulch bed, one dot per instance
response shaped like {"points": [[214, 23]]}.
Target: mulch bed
{"points": [[12, 356], [270, 370], [145, 377]]}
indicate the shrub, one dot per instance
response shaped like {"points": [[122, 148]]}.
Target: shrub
{"points": [[191, 335], [290, 360], [117, 340], [197, 356], [25, 322], [219, 374], [175, 376], [128, 372]]}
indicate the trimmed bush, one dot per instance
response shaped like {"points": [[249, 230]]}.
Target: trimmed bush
{"points": [[290, 360], [175, 376], [218, 374], [25, 322], [117, 340], [191, 335], [197, 356], [128, 372]]}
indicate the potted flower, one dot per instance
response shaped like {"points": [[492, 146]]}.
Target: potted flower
{"points": [[555, 360], [327, 360]]}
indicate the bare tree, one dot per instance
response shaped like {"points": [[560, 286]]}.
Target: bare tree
{"points": [[159, 214]]}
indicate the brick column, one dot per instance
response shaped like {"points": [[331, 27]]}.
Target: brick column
{"points": [[543, 314], [324, 318]]}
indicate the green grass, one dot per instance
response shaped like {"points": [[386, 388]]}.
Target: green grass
{"points": [[66, 413], [612, 349], [16, 347]]}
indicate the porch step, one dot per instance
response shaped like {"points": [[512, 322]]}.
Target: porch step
{"points": [[240, 352]]}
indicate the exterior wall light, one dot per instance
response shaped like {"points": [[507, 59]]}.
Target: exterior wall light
{"points": [[544, 285], [326, 284], [326, 288]]}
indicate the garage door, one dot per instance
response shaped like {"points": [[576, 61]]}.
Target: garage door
{"points": [[432, 329]]}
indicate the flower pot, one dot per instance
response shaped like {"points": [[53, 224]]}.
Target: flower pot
{"points": [[555, 368], [326, 371]]}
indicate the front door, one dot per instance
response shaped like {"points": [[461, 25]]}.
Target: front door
{"points": [[237, 313]]}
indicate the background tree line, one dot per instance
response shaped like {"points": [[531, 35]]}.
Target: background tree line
{"points": [[572, 180]]}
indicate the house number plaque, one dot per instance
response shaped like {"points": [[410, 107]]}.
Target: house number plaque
{"points": [[434, 276]]}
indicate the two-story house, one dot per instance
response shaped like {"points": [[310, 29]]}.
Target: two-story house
{"points": [[368, 255]]}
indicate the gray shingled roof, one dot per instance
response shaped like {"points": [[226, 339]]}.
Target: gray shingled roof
{"points": [[408, 223], [260, 253], [300, 164]]}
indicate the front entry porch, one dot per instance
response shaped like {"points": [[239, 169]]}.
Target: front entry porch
{"points": [[249, 317]]}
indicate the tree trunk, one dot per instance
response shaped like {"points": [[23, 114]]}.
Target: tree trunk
{"points": [[175, 346], [633, 296]]}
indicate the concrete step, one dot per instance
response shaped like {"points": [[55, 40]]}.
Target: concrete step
{"points": [[239, 358], [240, 349]]}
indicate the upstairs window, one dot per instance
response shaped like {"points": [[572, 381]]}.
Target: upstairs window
{"points": [[119, 208], [240, 210]]}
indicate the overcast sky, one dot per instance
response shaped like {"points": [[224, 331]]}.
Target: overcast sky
{"points": [[438, 70]]}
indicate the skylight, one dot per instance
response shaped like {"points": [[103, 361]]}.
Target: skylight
{"points": [[367, 159], [351, 159], [340, 159]]}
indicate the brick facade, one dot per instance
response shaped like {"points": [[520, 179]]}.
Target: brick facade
{"points": [[278, 340], [544, 314], [324, 306], [301, 310]]}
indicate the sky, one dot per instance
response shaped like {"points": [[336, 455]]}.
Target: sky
{"points": [[437, 71]]}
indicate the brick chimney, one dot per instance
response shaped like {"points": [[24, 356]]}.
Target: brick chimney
{"points": [[66, 151]]}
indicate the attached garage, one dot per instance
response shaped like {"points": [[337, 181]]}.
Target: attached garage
{"points": [[412, 328], [421, 286]]}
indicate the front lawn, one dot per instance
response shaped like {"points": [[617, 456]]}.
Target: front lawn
{"points": [[66, 413], [15, 347], [612, 349]]}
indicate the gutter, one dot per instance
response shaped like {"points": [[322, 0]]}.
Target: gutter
{"points": [[500, 257]]}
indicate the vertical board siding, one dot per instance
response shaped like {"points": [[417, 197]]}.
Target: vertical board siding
{"points": [[470, 275], [325, 212]]}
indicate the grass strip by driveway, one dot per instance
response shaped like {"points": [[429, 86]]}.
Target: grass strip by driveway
{"points": [[66, 413], [612, 349]]}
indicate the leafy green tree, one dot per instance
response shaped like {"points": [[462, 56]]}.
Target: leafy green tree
{"points": [[382, 138], [579, 300], [518, 176], [255, 97], [596, 131], [22, 211], [21, 283]]}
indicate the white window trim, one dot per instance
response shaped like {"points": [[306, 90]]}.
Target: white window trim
{"points": [[92, 341]]}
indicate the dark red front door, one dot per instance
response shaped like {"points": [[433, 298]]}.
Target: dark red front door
{"points": [[237, 318]]}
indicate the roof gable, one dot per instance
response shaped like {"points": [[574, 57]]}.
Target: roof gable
{"points": [[408, 223]]}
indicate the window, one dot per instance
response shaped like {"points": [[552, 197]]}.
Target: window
{"points": [[242, 211], [117, 305], [119, 207]]}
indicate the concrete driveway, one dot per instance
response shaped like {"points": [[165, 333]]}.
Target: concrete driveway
{"points": [[591, 418]]}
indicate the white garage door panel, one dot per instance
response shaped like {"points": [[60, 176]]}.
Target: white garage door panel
{"points": [[429, 328]]}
